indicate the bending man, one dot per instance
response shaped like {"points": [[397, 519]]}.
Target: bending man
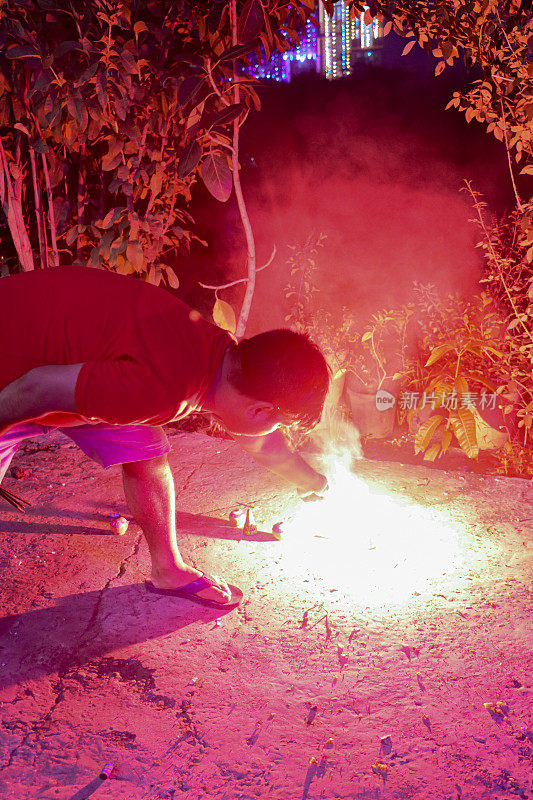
{"points": [[109, 359]]}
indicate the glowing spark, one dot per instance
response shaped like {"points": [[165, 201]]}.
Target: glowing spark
{"points": [[376, 548]]}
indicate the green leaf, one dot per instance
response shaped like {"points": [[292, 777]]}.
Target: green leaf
{"points": [[447, 437], [105, 243], [172, 278], [217, 176], [366, 336], [194, 119], [23, 51], [240, 50], [42, 83], [135, 255], [461, 384], [215, 16], [115, 185], [464, 427], [476, 376], [113, 216], [66, 47], [426, 431], [156, 182], [125, 268], [227, 114], [251, 21], [110, 162], [39, 146], [193, 59], [154, 275], [224, 316], [446, 48], [438, 352], [20, 127], [189, 159], [188, 89], [89, 73], [139, 27], [72, 234], [432, 452]]}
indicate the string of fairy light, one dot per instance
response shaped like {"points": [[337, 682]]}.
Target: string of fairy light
{"points": [[328, 49]]}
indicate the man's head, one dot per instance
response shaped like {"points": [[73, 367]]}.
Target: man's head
{"points": [[275, 378]]}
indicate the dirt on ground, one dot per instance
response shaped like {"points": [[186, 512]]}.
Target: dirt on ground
{"points": [[383, 650]]}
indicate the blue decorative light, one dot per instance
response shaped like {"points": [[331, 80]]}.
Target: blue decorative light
{"points": [[330, 49]]}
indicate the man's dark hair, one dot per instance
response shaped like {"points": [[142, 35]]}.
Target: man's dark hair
{"points": [[286, 369]]}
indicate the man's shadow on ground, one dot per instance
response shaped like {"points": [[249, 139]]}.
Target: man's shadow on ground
{"points": [[64, 522], [86, 626]]}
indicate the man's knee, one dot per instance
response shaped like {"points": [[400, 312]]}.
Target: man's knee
{"points": [[150, 467]]}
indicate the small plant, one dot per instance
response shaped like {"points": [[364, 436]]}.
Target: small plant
{"points": [[457, 340], [386, 338], [463, 374], [302, 267]]}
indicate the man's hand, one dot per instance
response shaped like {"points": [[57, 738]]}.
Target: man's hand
{"points": [[310, 495], [273, 452]]}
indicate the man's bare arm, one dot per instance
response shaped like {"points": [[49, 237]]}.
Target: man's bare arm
{"points": [[40, 391], [273, 452]]}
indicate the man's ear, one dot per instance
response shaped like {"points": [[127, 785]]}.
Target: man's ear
{"points": [[259, 411]]}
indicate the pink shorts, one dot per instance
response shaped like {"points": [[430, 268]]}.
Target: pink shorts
{"points": [[105, 444]]}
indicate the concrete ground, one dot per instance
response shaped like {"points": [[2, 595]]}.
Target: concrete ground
{"points": [[383, 651]]}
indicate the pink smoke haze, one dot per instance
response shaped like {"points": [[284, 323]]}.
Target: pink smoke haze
{"points": [[381, 177]]}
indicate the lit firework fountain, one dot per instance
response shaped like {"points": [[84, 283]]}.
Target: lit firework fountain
{"points": [[376, 548]]}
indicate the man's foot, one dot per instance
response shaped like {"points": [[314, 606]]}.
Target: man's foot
{"points": [[219, 593], [192, 591]]}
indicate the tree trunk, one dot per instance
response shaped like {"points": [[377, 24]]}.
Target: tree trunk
{"points": [[41, 228], [250, 242], [12, 207]]}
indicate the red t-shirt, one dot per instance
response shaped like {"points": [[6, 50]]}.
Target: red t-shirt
{"points": [[147, 357]]}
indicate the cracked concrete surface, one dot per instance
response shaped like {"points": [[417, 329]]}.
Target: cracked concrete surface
{"points": [[313, 689]]}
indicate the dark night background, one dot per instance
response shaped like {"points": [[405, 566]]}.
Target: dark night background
{"points": [[376, 163]]}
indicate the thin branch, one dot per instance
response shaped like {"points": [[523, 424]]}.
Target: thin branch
{"points": [[79, 199], [224, 285], [240, 280], [270, 260], [518, 201], [221, 144], [213, 84], [502, 28], [497, 260], [143, 143], [171, 210], [41, 229], [51, 213]]}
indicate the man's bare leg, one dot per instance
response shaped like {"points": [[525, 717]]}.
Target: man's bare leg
{"points": [[149, 492]]}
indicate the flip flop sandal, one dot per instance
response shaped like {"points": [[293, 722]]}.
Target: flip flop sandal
{"points": [[190, 592]]}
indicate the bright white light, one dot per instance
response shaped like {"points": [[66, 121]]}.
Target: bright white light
{"points": [[375, 548]]}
